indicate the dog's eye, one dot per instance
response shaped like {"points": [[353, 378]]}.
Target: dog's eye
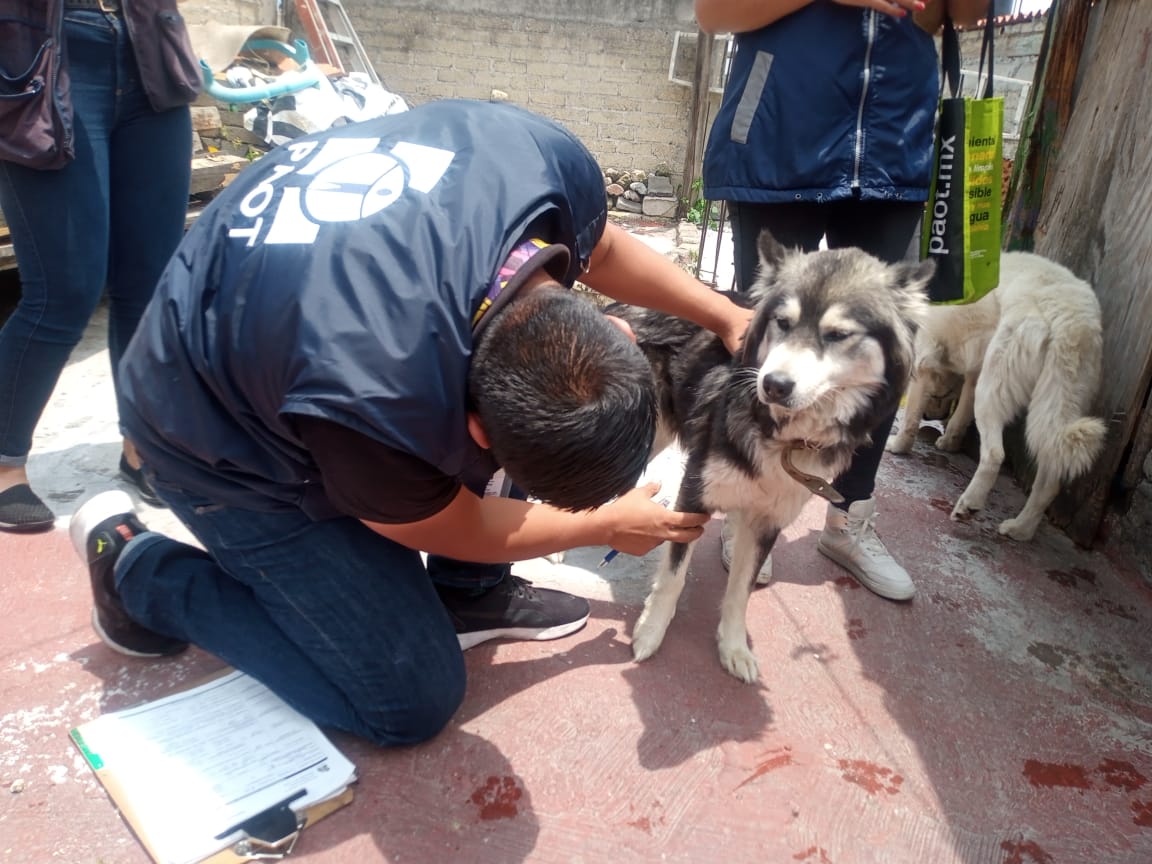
{"points": [[784, 324], [836, 335]]}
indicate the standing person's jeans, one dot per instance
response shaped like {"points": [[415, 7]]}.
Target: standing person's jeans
{"points": [[112, 217], [881, 228], [342, 623]]}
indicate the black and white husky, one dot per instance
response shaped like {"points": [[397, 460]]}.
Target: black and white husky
{"points": [[826, 357]]}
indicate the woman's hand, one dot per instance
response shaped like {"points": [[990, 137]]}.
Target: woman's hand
{"points": [[895, 8], [636, 524]]}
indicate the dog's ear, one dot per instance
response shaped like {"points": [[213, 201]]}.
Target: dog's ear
{"points": [[910, 288], [771, 253], [770, 249]]}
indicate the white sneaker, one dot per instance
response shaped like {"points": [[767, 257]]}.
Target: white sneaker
{"points": [[765, 574], [849, 538]]}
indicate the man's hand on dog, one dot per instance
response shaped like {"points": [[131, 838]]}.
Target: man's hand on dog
{"points": [[637, 524], [734, 337]]}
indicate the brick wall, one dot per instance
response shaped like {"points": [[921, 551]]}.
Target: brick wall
{"points": [[605, 80]]}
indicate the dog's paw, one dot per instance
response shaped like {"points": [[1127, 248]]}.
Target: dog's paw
{"points": [[965, 507], [1017, 529], [740, 662], [899, 444], [647, 637], [949, 443]]}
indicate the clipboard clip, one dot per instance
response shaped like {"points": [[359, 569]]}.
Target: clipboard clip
{"points": [[254, 849], [270, 835]]}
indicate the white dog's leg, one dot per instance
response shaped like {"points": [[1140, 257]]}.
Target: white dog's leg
{"points": [[903, 440], [661, 603], [992, 413], [961, 417], [748, 554], [1044, 489]]}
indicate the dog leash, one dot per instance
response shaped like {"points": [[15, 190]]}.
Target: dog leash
{"points": [[815, 485]]}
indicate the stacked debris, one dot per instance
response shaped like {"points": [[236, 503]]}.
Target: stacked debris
{"points": [[637, 191], [221, 146], [265, 89]]}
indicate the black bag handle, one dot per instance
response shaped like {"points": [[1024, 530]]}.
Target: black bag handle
{"points": [[988, 48], [950, 56]]}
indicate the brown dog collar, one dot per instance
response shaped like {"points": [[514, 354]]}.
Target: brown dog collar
{"points": [[815, 485]]}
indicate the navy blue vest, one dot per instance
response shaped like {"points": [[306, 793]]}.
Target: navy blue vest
{"points": [[830, 102], [337, 277]]}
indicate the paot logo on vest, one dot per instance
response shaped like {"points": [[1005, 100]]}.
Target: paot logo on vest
{"points": [[345, 181], [354, 188]]}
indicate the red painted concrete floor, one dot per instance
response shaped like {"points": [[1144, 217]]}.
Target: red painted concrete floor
{"points": [[1002, 717]]}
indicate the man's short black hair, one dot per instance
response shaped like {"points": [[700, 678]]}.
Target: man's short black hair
{"points": [[566, 398]]}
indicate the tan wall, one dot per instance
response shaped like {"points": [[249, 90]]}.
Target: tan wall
{"points": [[606, 82], [229, 11]]}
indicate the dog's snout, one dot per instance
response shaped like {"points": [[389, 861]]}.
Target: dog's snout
{"points": [[777, 388]]}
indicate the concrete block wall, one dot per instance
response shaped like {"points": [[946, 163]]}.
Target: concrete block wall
{"points": [[229, 11], [1017, 47], [603, 77]]}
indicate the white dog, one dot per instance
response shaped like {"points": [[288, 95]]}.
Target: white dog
{"points": [[1034, 344]]}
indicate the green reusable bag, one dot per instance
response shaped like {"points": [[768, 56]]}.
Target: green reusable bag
{"points": [[961, 227]]}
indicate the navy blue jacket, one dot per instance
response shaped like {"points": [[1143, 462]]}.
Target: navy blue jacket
{"points": [[337, 277], [829, 102]]}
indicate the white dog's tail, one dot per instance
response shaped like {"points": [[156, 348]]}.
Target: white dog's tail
{"points": [[1073, 447], [1057, 429]]}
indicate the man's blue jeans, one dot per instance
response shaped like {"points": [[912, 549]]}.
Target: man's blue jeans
{"points": [[340, 622], [110, 218]]}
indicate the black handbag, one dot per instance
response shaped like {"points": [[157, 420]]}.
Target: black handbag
{"points": [[961, 230], [35, 92]]}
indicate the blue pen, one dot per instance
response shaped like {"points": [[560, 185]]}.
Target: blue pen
{"points": [[663, 501]]}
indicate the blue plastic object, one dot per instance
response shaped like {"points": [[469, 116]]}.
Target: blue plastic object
{"points": [[289, 82]]}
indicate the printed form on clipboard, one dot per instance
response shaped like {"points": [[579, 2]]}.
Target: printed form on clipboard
{"points": [[192, 771]]}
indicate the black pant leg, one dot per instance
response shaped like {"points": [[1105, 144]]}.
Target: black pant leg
{"points": [[884, 229], [795, 225]]}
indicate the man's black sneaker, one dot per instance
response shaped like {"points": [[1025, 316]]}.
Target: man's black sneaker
{"points": [[100, 530], [513, 609]]}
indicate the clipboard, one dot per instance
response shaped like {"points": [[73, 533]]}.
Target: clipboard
{"points": [[270, 834]]}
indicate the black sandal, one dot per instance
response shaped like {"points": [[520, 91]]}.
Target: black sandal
{"points": [[22, 510]]}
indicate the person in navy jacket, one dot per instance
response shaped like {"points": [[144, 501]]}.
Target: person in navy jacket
{"points": [[100, 227], [365, 348], [825, 132]]}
